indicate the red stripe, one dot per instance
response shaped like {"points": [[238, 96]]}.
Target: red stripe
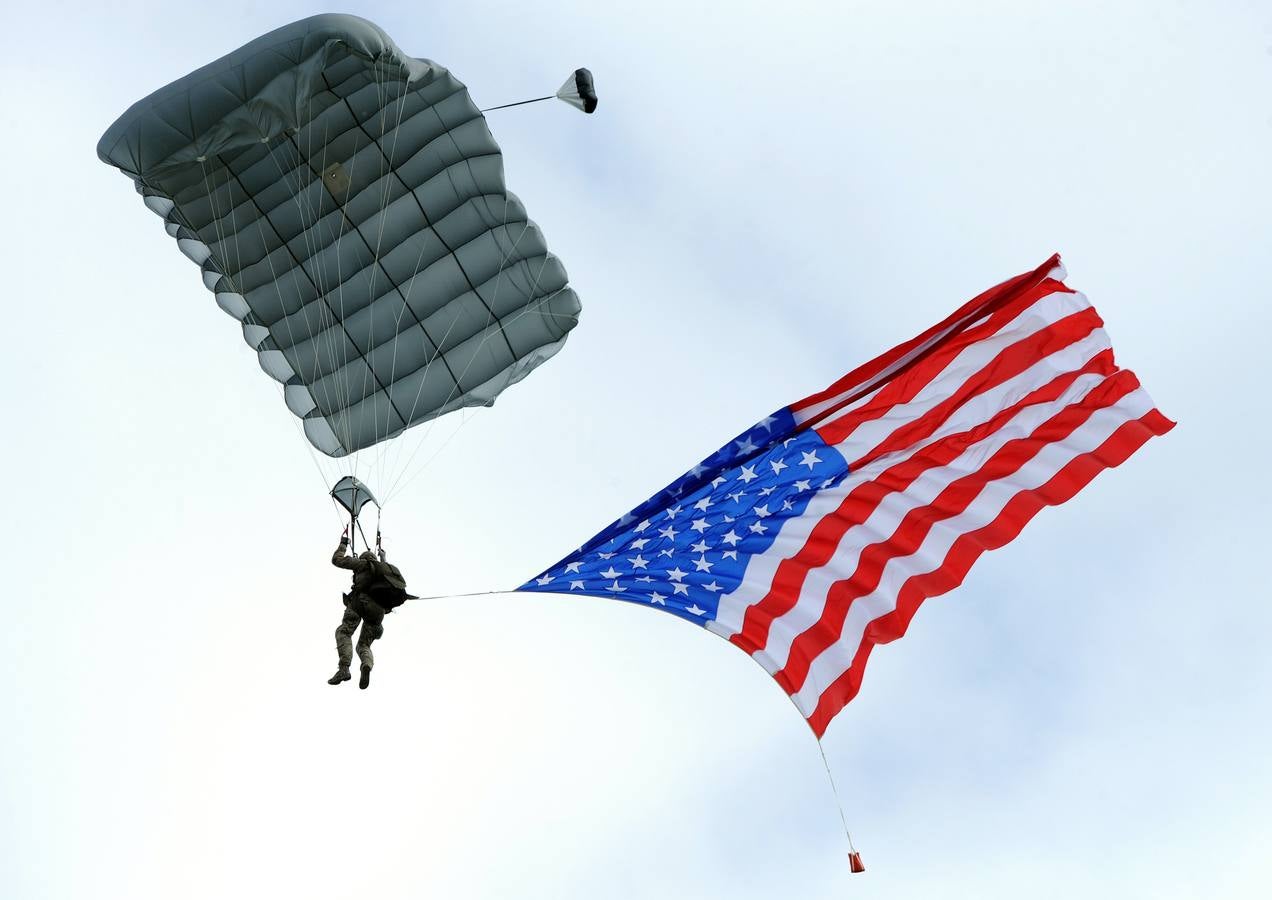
{"points": [[969, 313], [1063, 486], [857, 506], [918, 522], [905, 385], [1010, 363]]}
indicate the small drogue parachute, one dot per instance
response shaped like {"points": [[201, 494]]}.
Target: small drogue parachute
{"points": [[578, 91], [346, 203]]}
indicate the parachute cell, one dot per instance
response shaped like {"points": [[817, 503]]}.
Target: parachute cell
{"points": [[346, 203]]}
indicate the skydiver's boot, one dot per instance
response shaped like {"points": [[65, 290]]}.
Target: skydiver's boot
{"points": [[364, 678], [342, 674]]}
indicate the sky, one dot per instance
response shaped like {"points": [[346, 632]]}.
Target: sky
{"points": [[767, 196]]}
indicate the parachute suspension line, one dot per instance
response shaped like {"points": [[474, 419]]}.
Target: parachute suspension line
{"points": [[490, 317], [400, 485], [309, 246], [389, 87], [521, 102], [428, 428], [854, 857], [397, 176], [217, 218], [358, 522]]}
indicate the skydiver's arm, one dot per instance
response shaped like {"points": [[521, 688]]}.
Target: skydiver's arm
{"points": [[341, 558]]}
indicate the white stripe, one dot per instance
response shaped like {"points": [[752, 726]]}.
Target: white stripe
{"points": [[835, 659], [887, 516], [1056, 272], [879, 380], [794, 533], [967, 363]]}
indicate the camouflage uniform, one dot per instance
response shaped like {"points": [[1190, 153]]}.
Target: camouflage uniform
{"points": [[358, 608]]}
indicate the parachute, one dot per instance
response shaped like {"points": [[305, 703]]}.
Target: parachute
{"points": [[346, 204]]}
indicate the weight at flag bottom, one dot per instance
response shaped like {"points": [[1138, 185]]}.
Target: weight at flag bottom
{"points": [[818, 532]]}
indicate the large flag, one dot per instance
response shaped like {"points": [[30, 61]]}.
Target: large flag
{"points": [[817, 533]]}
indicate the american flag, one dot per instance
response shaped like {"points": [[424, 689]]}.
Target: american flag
{"points": [[816, 533]]}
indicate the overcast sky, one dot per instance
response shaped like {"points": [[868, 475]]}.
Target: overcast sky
{"points": [[768, 195]]}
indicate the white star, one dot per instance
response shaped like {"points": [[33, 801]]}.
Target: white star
{"points": [[787, 505], [746, 446], [766, 423], [669, 533], [757, 528], [809, 459], [764, 492], [639, 544], [718, 480], [668, 552], [673, 512], [787, 442], [658, 598], [544, 580], [643, 525], [700, 547], [645, 579], [730, 554], [680, 588], [703, 504], [802, 485], [748, 475], [697, 470], [576, 585], [626, 519], [638, 562], [611, 572], [737, 496], [761, 511], [699, 525], [675, 574], [572, 567], [616, 588], [605, 555], [731, 538], [777, 465], [695, 610], [700, 564], [712, 587]]}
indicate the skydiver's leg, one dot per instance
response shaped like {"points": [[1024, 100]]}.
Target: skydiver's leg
{"points": [[344, 645], [372, 628]]}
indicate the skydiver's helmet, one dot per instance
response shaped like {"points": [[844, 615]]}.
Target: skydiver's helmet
{"points": [[367, 554]]}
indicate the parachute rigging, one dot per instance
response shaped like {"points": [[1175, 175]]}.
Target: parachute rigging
{"points": [[346, 204]]}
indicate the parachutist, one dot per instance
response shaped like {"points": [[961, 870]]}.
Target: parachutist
{"points": [[378, 588]]}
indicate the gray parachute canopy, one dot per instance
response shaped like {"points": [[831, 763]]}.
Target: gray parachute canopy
{"points": [[347, 205]]}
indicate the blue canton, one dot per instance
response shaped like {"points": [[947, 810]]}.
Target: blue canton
{"points": [[689, 544]]}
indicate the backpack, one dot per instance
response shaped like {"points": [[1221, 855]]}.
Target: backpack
{"points": [[385, 586]]}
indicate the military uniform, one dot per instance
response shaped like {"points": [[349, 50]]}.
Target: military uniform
{"points": [[377, 589], [359, 607]]}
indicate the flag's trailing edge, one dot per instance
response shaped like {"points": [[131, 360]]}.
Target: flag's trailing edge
{"points": [[817, 533]]}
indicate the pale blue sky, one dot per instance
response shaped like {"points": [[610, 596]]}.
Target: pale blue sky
{"points": [[766, 197]]}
